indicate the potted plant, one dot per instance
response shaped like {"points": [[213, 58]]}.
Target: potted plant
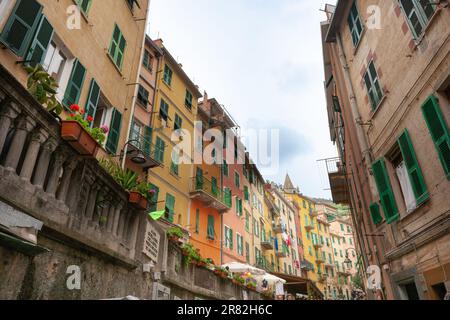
{"points": [[174, 234], [202, 263], [218, 271], [77, 131], [43, 88], [251, 286]]}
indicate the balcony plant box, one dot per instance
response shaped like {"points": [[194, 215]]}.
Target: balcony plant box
{"points": [[79, 138], [138, 200]]}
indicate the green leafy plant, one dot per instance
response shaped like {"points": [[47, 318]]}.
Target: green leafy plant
{"points": [[77, 114], [43, 87], [175, 232], [127, 179], [190, 254]]}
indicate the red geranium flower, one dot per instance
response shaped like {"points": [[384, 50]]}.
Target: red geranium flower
{"points": [[90, 119], [71, 115], [74, 107], [82, 111]]}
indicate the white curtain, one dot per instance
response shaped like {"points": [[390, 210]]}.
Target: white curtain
{"points": [[405, 184]]}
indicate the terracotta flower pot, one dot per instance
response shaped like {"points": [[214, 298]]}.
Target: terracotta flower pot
{"points": [[174, 239], [78, 138], [138, 200]]}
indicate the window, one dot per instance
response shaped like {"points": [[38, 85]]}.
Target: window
{"points": [[21, 25], [164, 110], [310, 251], [167, 77], [84, 5], [373, 86], [174, 166], [355, 25], [375, 213], [246, 194], [92, 100], [159, 150], [188, 100], [418, 13], [154, 199], [214, 187], [225, 168], [247, 221], [385, 191], [210, 230], [147, 60], [240, 244], [117, 47], [55, 62], [438, 130], [73, 90], [237, 180], [239, 207], [227, 197], [228, 238], [142, 96], [170, 207], [112, 142], [197, 221], [409, 173], [256, 227], [178, 122], [247, 252], [135, 132]]}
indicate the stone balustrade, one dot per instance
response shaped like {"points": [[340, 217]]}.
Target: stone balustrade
{"points": [[44, 177]]}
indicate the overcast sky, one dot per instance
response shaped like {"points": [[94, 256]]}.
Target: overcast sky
{"points": [[262, 59]]}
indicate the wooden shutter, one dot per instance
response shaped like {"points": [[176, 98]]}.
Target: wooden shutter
{"points": [[170, 207], [375, 213], [199, 179], [214, 187], [114, 132], [147, 140], [40, 43], [117, 47], [159, 150], [20, 26], [438, 130], [231, 238], [385, 191], [84, 5], [211, 227], [412, 165], [73, 90], [92, 100]]}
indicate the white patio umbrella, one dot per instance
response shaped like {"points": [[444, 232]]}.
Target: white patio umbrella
{"points": [[238, 267], [270, 278]]}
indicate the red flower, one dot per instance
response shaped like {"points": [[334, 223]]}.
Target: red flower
{"points": [[74, 107], [82, 112], [90, 119], [71, 115]]}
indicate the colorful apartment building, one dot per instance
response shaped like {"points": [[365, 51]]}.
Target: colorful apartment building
{"points": [[208, 201], [175, 112], [235, 247], [93, 61]]}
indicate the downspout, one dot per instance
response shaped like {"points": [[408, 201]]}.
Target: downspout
{"points": [[133, 103], [361, 135]]}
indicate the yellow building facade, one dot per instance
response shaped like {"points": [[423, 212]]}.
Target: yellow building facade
{"points": [[176, 103]]}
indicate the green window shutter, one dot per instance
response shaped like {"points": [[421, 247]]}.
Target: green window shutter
{"points": [[159, 150], [228, 196], [188, 99], [170, 207], [167, 75], [375, 213], [231, 239], [142, 97], [214, 187], [40, 43], [92, 100], [211, 227], [385, 191], [178, 122], [114, 132], [175, 162], [438, 130], [146, 60], [237, 179], [414, 171], [154, 198], [197, 221], [246, 194], [20, 26], [199, 181], [84, 5], [225, 168], [164, 110], [147, 140], [117, 47], [73, 90]]}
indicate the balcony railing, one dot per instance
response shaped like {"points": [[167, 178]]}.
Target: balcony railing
{"points": [[277, 227], [338, 181], [42, 175], [209, 193], [140, 144], [309, 226], [267, 244]]}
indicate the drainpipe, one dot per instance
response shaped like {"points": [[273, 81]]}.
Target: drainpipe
{"points": [[361, 135], [133, 102]]}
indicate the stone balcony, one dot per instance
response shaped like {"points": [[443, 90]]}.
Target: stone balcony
{"points": [[43, 177]]}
